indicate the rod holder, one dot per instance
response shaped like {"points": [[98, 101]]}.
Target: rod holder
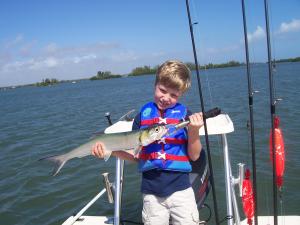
{"points": [[239, 180], [108, 187], [241, 167], [107, 115]]}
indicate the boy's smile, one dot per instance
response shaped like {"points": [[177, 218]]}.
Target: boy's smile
{"points": [[165, 97]]}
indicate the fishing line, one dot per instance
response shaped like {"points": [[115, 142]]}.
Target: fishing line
{"points": [[251, 47], [282, 209], [206, 73], [272, 29], [198, 34], [203, 110], [209, 215], [273, 48]]}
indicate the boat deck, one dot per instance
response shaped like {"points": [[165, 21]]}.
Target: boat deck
{"points": [[90, 220], [262, 220], [282, 220]]}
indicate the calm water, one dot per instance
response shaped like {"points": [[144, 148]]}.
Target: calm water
{"points": [[36, 122]]}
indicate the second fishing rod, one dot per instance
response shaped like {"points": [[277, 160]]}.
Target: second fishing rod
{"points": [[250, 97]]}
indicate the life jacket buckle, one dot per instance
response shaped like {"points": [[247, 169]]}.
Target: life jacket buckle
{"points": [[162, 141], [161, 155], [162, 120]]}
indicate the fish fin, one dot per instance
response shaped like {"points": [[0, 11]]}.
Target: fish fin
{"points": [[107, 155], [127, 116], [59, 161]]}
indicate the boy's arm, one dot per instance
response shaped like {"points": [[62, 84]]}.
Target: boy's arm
{"points": [[194, 144], [129, 156]]}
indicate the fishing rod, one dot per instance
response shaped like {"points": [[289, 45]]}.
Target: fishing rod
{"points": [[272, 110], [250, 96], [203, 110]]}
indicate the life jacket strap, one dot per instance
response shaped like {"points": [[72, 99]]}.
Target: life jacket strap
{"points": [[164, 156], [159, 120], [171, 141]]}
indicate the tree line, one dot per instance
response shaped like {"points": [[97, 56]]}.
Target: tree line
{"points": [[104, 75], [144, 70], [297, 59], [47, 82], [192, 66]]}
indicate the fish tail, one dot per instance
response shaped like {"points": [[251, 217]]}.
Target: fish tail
{"points": [[58, 161]]}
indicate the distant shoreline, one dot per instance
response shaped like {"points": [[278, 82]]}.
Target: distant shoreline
{"points": [[140, 71]]}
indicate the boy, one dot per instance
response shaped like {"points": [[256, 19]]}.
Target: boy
{"points": [[165, 164]]}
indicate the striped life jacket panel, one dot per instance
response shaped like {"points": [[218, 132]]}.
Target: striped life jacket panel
{"points": [[169, 153]]}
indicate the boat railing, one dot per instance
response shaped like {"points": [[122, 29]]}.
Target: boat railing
{"points": [[73, 219]]}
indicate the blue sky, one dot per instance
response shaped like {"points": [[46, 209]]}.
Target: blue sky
{"points": [[72, 39]]}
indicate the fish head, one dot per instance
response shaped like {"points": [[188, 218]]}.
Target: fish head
{"points": [[152, 134]]}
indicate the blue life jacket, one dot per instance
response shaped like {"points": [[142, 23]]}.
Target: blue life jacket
{"points": [[171, 152]]}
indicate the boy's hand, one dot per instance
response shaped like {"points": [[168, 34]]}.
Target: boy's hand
{"points": [[98, 150], [196, 121], [194, 144]]}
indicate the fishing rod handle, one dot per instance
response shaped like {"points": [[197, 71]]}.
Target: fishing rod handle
{"points": [[208, 114], [212, 113]]}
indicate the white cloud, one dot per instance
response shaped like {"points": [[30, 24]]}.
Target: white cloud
{"points": [[16, 65], [51, 55], [292, 26], [51, 48], [30, 64], [50, 62], [124, 56], [78, 59], [12, 43], [258, 34], [68, 62], [37, 64], [26, 49], [226, 49]]}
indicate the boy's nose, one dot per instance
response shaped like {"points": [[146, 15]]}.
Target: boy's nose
{"points": [[166, 98]]}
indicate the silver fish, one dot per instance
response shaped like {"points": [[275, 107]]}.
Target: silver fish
{"points": [[132, 140]]}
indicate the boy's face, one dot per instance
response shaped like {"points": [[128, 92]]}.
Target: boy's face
{"points": [[165, 97]]}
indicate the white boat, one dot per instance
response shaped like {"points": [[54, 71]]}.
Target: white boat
{"points": [[219, 125]]}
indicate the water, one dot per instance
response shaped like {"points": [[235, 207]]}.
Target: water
{"points": [[37, 122]]}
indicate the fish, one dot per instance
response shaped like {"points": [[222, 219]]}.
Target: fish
{"points": [[124, 141]]}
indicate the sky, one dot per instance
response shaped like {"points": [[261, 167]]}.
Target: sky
{"points": [[74, 39]]}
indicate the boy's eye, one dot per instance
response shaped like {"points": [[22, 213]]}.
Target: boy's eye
{"points": [[163, 91]]}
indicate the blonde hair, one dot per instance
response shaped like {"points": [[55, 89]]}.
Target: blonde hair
{"points": [[174, 74]]}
